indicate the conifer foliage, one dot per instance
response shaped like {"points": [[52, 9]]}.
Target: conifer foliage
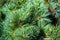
{"points": [[29, 19]]}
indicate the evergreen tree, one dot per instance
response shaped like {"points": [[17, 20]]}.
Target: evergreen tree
{"points": [[29, 19]]}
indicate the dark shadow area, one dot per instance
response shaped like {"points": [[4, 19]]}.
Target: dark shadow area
{"points": [[3, 2], [2, 16], [40, 36], [53, 19]]}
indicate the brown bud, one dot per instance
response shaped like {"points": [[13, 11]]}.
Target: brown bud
{"points": [[59, 1], [46, 1], [46, 38], [23, 36], [37, 19], [51, 9]]}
